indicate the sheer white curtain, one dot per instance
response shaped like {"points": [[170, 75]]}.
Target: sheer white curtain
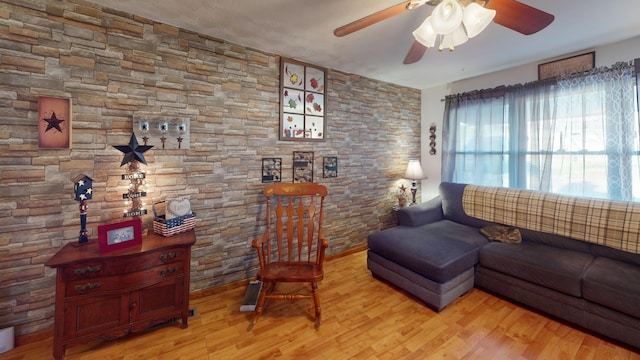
{"points": [[531, 112], [596, 124], [475, 146], [576, 135]]}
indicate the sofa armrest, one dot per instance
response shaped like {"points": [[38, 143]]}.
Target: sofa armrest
{"points": [[424, 213]]}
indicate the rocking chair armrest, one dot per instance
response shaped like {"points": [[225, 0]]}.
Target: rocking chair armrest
{"points": [[258, 245], [325, 243], [257, 242]]}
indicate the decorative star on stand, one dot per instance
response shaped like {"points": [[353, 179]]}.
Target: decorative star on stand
{"points": [[133, 151], [53, 122]]}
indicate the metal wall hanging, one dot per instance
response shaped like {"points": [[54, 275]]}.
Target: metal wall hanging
{"points": [[302, 166], [271, 170], [330, 167], [432, 139]]}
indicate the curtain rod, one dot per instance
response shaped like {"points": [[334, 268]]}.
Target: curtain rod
{"points": [[499, 90]]}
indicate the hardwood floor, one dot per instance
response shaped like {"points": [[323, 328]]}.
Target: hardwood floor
{"points": [[363, 318]]}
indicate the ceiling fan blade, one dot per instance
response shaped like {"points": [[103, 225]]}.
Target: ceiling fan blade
{"points": [[372, 19], [415, 53], [517, 16]]}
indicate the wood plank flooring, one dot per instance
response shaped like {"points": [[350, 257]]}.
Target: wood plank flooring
{"points": [[363, 318]]}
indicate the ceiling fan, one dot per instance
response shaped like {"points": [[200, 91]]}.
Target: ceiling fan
{"points": [[511, 14]]}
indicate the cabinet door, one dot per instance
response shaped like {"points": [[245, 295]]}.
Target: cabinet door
{"points": [[88, 315], [158, 303]]}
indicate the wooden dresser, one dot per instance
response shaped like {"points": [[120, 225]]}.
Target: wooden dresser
{"points": [[108, 295]]}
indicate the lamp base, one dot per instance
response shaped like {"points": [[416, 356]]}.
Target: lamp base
{"points": [[414, 190]]}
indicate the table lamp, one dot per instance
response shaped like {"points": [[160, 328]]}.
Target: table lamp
{"points": [[414, 173]]}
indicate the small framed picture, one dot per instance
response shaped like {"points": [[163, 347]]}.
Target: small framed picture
{"points": [[271, 170], [54, 123], [120, 235], [302, 166], [330, 167]]}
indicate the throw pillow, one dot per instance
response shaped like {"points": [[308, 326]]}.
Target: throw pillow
{"points": [[505, 234]]}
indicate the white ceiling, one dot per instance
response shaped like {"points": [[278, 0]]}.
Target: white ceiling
{"points": [[303, 29]]}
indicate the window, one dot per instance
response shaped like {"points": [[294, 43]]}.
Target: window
{"points": [[576, 136]]}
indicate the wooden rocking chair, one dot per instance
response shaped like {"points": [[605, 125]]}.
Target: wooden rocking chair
{"points": [[294, 250]]}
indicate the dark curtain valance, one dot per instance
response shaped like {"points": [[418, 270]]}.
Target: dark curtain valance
{"points": [[499, 91]]}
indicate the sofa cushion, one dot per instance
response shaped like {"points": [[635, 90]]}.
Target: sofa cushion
{"points": [[555, 268], [438, 251], [614, 284], [611, 253]]}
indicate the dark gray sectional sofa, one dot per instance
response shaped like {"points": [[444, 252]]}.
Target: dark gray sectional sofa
{"points": [[578, 260]]}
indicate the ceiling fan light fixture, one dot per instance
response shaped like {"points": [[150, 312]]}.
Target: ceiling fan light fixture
{"points": [[459, 36], [453, 39], [447, 16], [476, 18], [425, 34]]}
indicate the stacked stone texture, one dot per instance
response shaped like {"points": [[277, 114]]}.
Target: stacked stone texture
{"points": [[113, 65]]}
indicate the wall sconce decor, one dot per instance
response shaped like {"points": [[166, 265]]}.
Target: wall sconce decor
{"points": [[302, 166], [271, 170], [432, 139], [163, 131]]}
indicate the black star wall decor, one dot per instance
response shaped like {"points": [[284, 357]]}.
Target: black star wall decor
{"points": [[53, 122], [133, 151]]}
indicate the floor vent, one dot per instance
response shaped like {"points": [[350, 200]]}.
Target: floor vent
{"points": [[251, 296]]}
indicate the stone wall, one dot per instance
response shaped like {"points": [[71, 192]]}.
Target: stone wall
{"points": [[114, 65]]}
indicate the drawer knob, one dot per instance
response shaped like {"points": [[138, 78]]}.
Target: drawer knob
{"points": [[87, 286]]}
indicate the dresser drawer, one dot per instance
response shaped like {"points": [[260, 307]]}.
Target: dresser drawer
{"points": [[122, 265], [128, 281]]}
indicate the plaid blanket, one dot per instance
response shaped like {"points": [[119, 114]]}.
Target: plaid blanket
{"points": [[610, 223]]}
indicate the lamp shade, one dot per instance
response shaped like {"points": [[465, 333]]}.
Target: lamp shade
{"points": [[425, 34], [414, 170], [476, 18], [446, 17], [453, 39]]}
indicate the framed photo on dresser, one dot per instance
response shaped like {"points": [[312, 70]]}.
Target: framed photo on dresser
{"points": [[120, 235]]}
